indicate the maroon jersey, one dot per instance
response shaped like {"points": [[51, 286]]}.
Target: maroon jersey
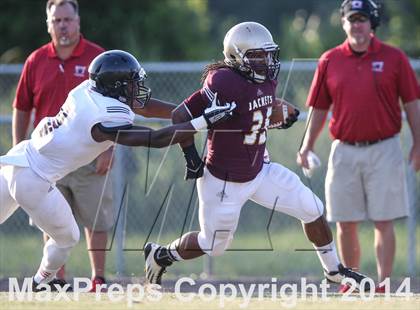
{"points": [[235, 148]]}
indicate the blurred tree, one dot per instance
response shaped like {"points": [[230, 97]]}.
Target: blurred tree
{"points": [[307, 28], [158, 30], [401, 25], [275, 15], [169, 30], [22, 28]]}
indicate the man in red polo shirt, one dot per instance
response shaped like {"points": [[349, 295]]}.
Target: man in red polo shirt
{"points": [[49, 74], [363, 80]]}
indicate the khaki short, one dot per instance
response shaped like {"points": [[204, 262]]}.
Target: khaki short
{"points": [[366, 183], [83, 190]]}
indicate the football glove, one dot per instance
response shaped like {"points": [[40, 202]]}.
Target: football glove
{"points": [[218, 113], [290, 120], [194, 166]]}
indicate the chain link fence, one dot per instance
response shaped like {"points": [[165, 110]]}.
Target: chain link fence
{"points": [[152, 200]]}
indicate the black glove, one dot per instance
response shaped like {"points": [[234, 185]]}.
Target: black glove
{"points": [[194, 167], [217, 113], [290, 120]]}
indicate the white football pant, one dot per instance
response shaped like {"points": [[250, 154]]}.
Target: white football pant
{"points": [[220, 203], [48, 209]]}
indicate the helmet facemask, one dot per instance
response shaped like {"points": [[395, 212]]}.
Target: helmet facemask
{"points": [[140, 97], [133, 92], [262, 64]]}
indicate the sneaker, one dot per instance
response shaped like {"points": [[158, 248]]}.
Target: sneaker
{"points": [[53, 284], [153, 269], [344, 272], [96, 281]]}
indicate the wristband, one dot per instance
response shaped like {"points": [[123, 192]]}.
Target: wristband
{"points": [[199, 123]]}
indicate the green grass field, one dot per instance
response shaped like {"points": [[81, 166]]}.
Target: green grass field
{"points": [[20, 253], [170, 301]]}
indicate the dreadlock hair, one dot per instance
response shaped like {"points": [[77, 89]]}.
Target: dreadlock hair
{"points": [[213, 66]]}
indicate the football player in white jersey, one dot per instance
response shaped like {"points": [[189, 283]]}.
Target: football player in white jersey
{"points": [[96, 114]]}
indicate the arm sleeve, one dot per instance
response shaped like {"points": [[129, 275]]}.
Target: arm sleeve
{"points": [[319, 96], [408, 86], [224, 82], [24, 94], [195, 104]]}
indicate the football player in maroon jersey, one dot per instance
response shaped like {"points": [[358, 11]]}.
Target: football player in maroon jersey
{"points": [[235, 170]]}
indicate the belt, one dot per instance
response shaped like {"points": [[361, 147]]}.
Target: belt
{"points": [[365, 143]]}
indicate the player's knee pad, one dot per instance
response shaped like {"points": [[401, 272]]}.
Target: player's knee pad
{"points": [[283, 177], [73, 236], [54, 255], [311, 206], [216, 244], [66, 236]]}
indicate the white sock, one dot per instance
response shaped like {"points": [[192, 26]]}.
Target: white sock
{"points": [[172, 249], [54, 257], [43, 276], [327, 254]]}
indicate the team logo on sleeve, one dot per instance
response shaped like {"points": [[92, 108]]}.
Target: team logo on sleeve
{"points": [[79, 71], [209, 93], [378, 66]]}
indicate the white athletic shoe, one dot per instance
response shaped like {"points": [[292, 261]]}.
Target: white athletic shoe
{"points": [[152, 269]]}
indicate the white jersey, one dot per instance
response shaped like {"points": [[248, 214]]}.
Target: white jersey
{"points": [[62, 144]]}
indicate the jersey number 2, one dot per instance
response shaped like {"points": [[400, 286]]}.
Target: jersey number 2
{"points": [[258, 130]]}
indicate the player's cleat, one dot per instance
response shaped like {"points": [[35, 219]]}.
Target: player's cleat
{"points": [[96, 281], [344, 272], [380, 289], [343, 288], [54, 285], [156, 261]]}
